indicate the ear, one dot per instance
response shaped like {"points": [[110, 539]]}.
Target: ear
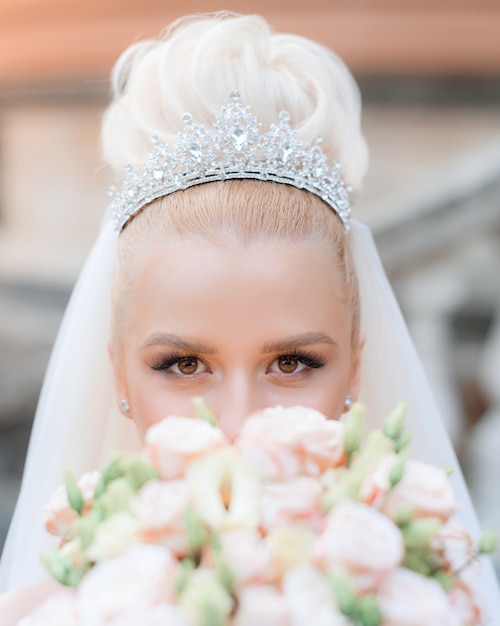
{"points": [[355, 381], [121, 390]]}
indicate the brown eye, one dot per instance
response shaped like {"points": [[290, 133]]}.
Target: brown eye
{"points": [[188, 365], [288, 364]]}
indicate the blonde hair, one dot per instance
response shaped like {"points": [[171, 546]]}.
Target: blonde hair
{"points": [[193, 69]]}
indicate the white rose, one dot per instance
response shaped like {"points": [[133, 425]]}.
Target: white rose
{"points": [[60, 609], [362, 541], [309, 598], [424, 489], [160, 508], [410, 599], [175, 442], [261, 605], [139, 579], [113, 536]]}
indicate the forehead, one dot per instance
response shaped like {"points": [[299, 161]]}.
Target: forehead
{"points": [[198, 287]]}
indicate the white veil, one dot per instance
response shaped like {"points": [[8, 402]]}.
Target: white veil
{"points": [[77, 423]]}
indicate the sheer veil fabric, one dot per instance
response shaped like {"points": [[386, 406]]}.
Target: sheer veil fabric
{"points": [[77, 422]]}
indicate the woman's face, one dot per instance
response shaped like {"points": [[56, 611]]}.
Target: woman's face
{"points": [[245, 327]]}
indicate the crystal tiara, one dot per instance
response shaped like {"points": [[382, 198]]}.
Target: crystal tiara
{"points": [[234, 148]]}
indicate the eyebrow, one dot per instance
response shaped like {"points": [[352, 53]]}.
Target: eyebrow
{"points": [[190, 345], [298, 341], [181, 343]]}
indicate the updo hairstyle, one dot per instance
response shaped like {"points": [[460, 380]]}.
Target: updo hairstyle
{"points": [[192, 69]]}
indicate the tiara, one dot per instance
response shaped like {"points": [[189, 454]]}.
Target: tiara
{"points": [[234, 148]]}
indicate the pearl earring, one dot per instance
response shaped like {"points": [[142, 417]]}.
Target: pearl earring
{"points": [[125, 406], [348, 403]]}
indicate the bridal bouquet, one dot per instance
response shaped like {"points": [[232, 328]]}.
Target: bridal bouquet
{"points": [[301, 521]]}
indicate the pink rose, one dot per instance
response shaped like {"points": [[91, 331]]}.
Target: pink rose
{"points": [[60, 609], [262, 605], [296, 502], [246, 555], [310, 600], [454, 544], [160, 508], [410, 599], [362, 541], [175, 442], [137, 580], [282, 442], [424, 489], [466, 599], [59, 516]]}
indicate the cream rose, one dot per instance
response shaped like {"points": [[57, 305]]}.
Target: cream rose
{"points": [[362, 541], [410, 599], [296, 502], [175, 442], [263, 605], [424, 489], [131, 583], [59, 516], [113, 536], [282, 442], [225, 490], [60, 609], [289, 548], [160, 508], [310, 600]]}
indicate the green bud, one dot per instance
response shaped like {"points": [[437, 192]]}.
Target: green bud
{"points": [[116, 498], [75, 497], [354, 428], [202, 412], [369, 613], [448, 470], [403, 516], [402, 442], [187, 567], [197, 534], [394, 423], [86, 527], [397, 471], [58, 565], [344, 593], [445, 579], [488, 542], [418, 533]]}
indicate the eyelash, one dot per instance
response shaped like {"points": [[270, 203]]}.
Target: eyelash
{"points": [[311, 361]]}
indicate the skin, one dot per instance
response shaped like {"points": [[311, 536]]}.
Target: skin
{"points": [[245, 327]]}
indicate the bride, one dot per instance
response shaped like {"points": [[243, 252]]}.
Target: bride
{"points": [[227, 268]]}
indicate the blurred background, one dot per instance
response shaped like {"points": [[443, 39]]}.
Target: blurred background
{"points": [[429, 72]]}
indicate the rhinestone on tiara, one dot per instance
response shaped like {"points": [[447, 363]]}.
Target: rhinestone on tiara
{"points": [[233, 148]]}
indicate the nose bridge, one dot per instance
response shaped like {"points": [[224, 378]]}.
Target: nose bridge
{"points": [[237, 396]]}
